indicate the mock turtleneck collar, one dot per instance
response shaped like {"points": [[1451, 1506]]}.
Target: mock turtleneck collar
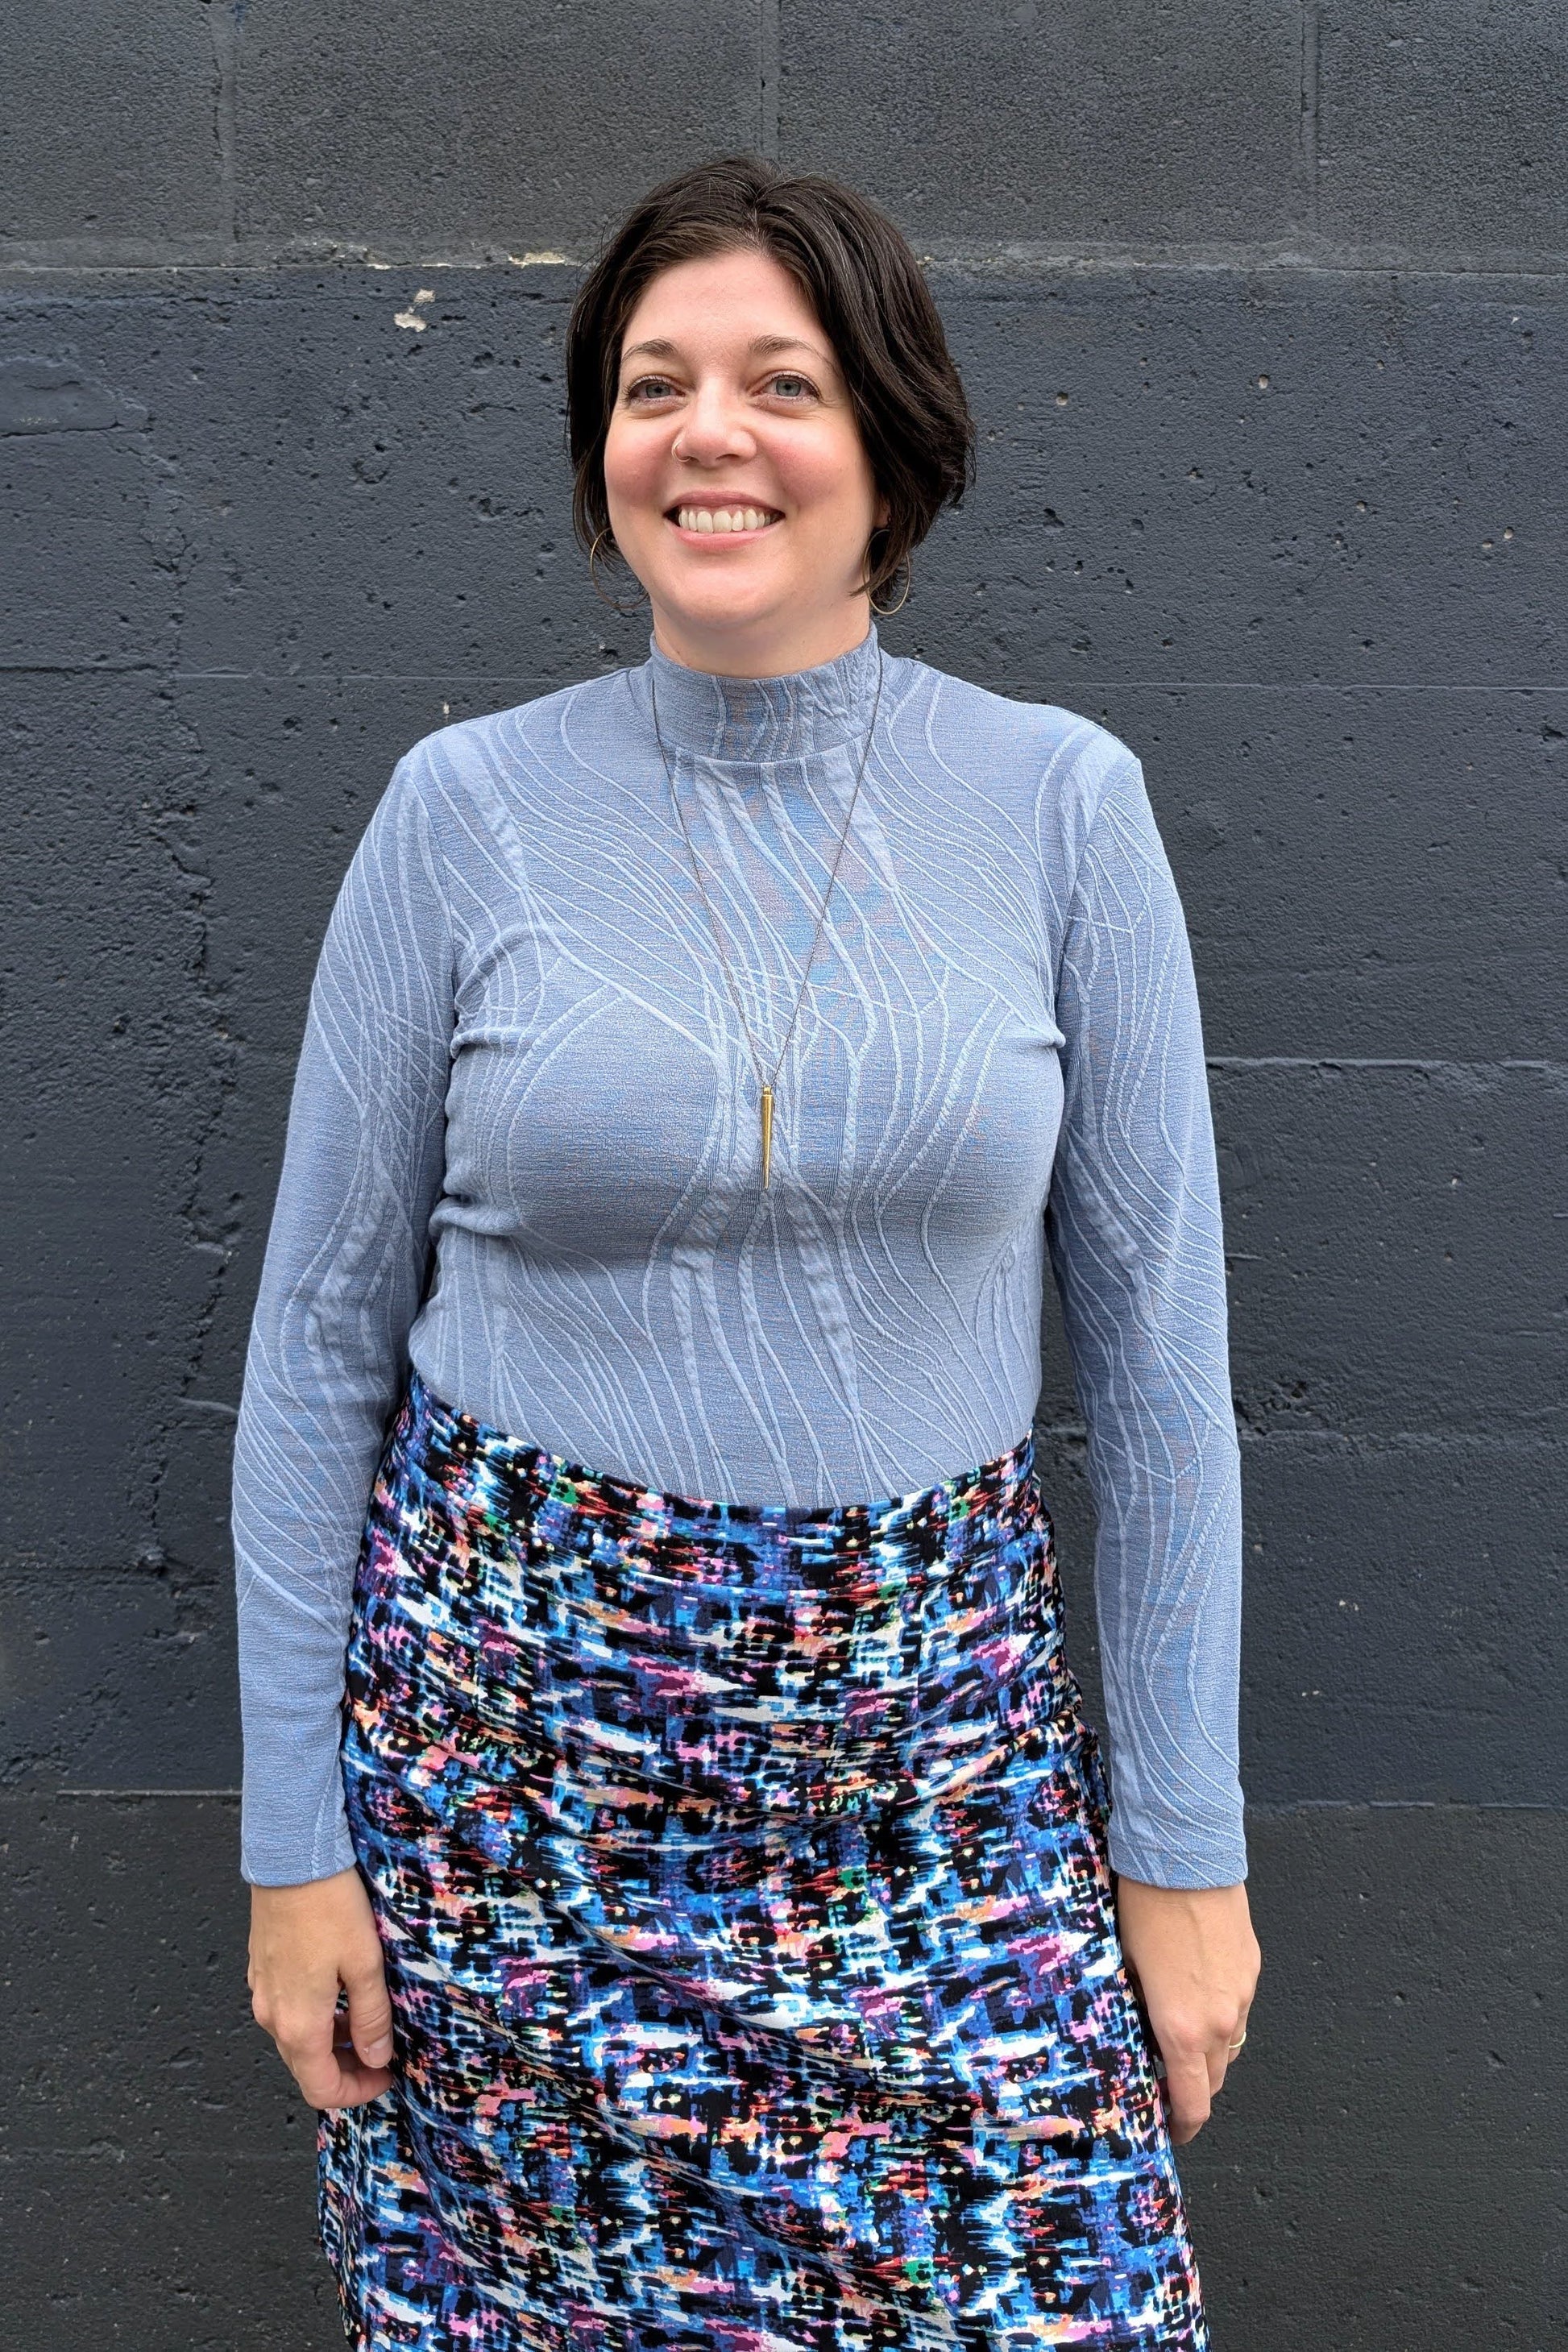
{"points": [[758, 719]]}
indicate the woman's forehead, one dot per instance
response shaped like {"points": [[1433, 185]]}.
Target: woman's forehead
{"points": [[744, 300]]}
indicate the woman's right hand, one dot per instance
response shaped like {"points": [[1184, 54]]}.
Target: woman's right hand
{"points": [[305, 1942]]}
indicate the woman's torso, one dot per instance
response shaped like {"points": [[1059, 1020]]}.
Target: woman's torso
{"points": [[614, 1284]]}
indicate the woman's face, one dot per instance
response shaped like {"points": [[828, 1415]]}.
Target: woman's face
{"points": [[739, 488]]}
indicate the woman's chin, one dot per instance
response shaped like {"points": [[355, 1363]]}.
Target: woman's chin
{"points": [[726, 608]]}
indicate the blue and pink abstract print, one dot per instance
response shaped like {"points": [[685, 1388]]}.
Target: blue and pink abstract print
{"points": [[742, 1877]]}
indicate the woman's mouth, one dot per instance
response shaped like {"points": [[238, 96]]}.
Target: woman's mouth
{"points": [[729, 522]]}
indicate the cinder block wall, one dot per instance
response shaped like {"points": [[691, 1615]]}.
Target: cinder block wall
{"points": [[1262, 306]]}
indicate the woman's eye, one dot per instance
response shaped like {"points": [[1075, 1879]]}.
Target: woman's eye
{"points": [[788, 386]]}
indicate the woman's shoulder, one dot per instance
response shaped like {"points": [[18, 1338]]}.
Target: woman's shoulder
{"points": [[500, 769], [536, 727], [1058, 762]]}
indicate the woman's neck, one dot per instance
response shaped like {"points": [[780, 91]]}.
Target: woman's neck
{"points": [[726, 717]]}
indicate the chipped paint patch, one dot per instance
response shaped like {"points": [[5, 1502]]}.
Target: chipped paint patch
{"points": [[411, 317], [535, 260]]}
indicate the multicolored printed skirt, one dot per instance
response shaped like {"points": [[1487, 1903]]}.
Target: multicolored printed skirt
{"points": [[741, 1876]]}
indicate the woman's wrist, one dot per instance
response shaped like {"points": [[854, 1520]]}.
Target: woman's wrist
{"points": [[1151, 1887]]}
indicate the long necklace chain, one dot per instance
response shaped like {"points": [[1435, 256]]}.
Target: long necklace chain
{"points": [[765, 1084]]}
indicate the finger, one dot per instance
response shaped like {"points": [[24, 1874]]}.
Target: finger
{"points": [[349, 2086], [326, 2076], [1230, 2048], [1221, 2054], [370, 2014], [354, 2086], [1188, 2097], [339, 2080]]}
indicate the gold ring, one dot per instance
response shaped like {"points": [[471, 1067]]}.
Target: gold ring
{"points": [[1236, 2045]]}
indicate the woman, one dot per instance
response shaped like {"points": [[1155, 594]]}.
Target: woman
{"points": [[704, 1839]]}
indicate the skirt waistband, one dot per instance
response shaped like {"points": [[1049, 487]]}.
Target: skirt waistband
{"points": [[695, 1539], [634, 1666]]}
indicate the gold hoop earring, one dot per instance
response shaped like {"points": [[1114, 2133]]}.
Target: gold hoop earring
{"points": [[625, 610], [885, 612]]}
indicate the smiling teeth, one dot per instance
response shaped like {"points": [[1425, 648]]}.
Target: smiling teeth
{"points": [[724, 517]]}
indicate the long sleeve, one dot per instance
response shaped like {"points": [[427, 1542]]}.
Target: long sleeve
{"points": [[341, 1281], [1134, 1233]]}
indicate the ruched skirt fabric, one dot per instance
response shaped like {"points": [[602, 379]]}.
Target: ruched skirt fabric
{"points": [[741, 1876]]}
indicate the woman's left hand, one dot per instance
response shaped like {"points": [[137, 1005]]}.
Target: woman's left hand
{"points": [[1193, 1960]]}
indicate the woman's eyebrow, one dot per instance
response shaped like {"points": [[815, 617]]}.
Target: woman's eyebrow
{"points": [[784, 343], [659, 348]]}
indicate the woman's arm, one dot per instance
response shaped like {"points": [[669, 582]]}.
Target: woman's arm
{"points": [[340, 1283], [1134, 1232], [343, 1273]]}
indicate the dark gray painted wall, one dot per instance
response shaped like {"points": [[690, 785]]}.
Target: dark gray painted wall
{"points": [[1263, 308]]}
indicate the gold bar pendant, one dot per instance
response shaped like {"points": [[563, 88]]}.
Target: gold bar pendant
{"points": [[766, 1107]]}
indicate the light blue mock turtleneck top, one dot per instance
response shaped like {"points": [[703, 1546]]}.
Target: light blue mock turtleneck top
{"points": [[523, 1154]]}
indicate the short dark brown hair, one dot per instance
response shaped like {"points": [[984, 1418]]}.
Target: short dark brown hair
{"points": [[865, 287]]}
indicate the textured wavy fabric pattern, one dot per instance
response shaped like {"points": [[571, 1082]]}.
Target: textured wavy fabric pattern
{"points": [[741, 1876], [523, 1157]]}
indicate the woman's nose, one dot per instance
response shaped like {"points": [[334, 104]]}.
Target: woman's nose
{"points": [[714, 426]]}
